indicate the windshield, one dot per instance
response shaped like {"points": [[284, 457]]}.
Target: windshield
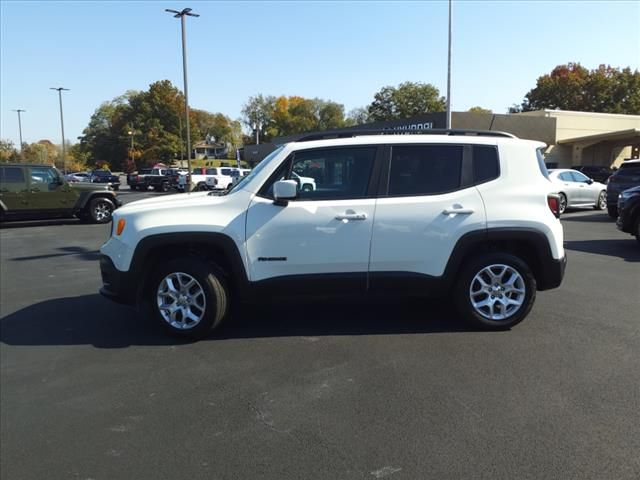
{"points": [[256, 170], [102, 173]]}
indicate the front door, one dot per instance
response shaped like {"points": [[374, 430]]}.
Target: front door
{"points": [[320, 241], [48, 193]]}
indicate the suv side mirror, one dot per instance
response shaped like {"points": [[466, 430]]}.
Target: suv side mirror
{"points": [[284, 190]]}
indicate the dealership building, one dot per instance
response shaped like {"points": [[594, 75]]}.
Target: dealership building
{"points": [[572, 138]]}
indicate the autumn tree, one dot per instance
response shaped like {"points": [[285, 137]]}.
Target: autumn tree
{"points": [[8, 152], [409, 99], [357, 116], [479, 110], [572, 87]]}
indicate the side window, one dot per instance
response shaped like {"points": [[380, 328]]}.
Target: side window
{"points": [[211, 171], [485, 164], [425, 170], [12, 175], [566, 177], [327, 174], [579, 177], [42, 176]]}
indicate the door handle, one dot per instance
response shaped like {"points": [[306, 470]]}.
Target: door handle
{"points": [[352, 216], [449, 211]]}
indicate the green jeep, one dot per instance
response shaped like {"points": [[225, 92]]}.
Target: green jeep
{"points": [[40, 191]]}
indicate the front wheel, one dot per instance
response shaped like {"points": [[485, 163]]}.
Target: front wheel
{"points": [[188, 297], [601, 203], [495, 291], [100, 210]]}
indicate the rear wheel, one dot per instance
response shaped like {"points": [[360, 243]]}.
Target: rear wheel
{"points": [[100, 210], [201, 187], [563, 203], [601, 203], [495, 291], [188, 297]]}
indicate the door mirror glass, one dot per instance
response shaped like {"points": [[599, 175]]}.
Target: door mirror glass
{"points": [[285, 190]]}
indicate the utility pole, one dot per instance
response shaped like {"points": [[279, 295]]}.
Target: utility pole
{"points": [[131, 134], [181, 15], [64, 158], [20, 127], [449, 73]]}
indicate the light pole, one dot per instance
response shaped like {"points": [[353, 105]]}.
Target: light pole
{"points": [[185, 12], [20, 126], [64, 159], [257, 127], [131, 135], [449, 73]]}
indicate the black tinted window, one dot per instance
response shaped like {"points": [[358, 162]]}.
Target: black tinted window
{"points": [[11, 175], [425, 170], [629, 169], [485, 163]]}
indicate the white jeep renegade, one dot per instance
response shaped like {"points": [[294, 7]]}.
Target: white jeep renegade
{"points": [[466, 214]]}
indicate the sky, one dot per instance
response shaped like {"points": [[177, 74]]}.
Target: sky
{"points": [[341, 51]]}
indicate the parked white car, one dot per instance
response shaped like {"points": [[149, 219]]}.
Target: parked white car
{"points": [[472, 217], [578, 190], [306, 184], [77, 177]]}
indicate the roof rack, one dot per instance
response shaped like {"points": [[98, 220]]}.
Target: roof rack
{"points": [[390, 131]]}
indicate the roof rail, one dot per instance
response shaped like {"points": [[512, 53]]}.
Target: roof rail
{"points": [[389, 131]]}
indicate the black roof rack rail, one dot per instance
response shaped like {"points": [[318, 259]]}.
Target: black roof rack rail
{"points": [[390, 131]]}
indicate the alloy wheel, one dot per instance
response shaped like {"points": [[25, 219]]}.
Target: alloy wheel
{"points": [[497, 292], [181, 300]]}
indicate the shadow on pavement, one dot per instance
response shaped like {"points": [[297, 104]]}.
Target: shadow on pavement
{"points": [[626, 249], [93, 320], [596, 217], [80, 253], [39, 223]]}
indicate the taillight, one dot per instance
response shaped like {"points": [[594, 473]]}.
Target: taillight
{"points": [[553, 200]]}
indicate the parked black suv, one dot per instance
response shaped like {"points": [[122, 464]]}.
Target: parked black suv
{"points": [[599, 174], [629, 212], [105, 176], [40, 191], [627, 176]]}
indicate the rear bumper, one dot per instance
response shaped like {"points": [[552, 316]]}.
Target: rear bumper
{"points": [[552, 273], [117, 286]]}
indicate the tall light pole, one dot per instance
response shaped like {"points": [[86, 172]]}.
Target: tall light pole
{"points": [[131, 135], [184, 13], [449, 73], [257, 127], [64, 158], [20, 126]]}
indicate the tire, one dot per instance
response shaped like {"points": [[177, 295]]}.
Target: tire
{"points": [[612, 211], [601, 202], [201, 187], [636, 230], [206, 299], [100, 210], [563, 203], [307, 188], [116, 187], [509, 270], [133, 187]]}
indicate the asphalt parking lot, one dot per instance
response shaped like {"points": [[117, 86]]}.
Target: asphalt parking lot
{"points": [[396, 390]]}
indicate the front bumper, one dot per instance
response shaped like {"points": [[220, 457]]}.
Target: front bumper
{"points": [[117, 286], [552, 273]]}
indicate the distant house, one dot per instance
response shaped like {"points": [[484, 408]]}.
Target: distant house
{"points": [[209, 149]]}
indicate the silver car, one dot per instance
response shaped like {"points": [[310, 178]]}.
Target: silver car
{"points": [[578, 190]]}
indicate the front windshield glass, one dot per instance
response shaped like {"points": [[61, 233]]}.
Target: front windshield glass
{"points": [[256, 170]]}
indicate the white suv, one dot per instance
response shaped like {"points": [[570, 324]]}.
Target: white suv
{"points": [[468, 214]]}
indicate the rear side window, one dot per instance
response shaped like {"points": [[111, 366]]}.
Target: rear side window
{"points": [[541, 164], [425, 170], [485, 163], [11, 175], [629, 169]]}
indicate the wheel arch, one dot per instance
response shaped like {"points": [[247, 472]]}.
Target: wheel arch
{"points": [[528, 244]]}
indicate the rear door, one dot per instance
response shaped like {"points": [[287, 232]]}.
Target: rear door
{"points": [[13, 189], [571, 188], [429, 203]]}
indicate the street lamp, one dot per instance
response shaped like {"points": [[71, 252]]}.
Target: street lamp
{"points": [[449, 73], [64, 159], [20, 126], [257, 127], [184, 13], [131, 134]]}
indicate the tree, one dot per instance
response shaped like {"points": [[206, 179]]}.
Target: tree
{"points": [[479, 110], [357, 116], [407, 100], [573, 87], [8, 152]]}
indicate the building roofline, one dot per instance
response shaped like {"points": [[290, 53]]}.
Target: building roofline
{"points": [[549, 112], [615, 135]]}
